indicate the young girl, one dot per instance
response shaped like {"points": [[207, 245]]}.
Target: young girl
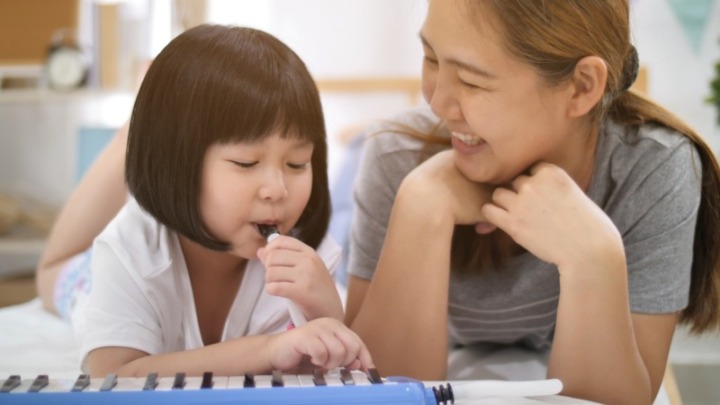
{"points": [[226, 135], [569, 214]]}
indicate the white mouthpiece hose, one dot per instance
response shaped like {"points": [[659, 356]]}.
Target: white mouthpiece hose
{"points": [[485, 388]]}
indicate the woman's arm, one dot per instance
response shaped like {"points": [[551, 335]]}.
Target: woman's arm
{"points": [[611, 356], [326, 342], [95, 201], [403, 316], [600, 351]]}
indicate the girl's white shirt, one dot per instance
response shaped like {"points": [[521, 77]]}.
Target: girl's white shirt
{"points": [[141, 296]]}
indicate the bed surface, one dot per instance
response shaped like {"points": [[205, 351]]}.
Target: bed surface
{"points": [[32, 342]]}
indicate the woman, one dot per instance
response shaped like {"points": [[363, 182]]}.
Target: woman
{"points": [[563, 217]]}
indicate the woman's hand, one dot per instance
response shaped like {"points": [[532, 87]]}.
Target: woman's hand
{"points": [[549, 215], [296, 272], [326, 342], [438, 182]]}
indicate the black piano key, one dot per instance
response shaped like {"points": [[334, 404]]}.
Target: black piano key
{"points": [[39, 383], [374, 376], [207, 380], [109, 383], [11, 383], [346, 377], [319, 378], [151, 382], [81, 383], [249, 381], [179, 382], [277, 379]]}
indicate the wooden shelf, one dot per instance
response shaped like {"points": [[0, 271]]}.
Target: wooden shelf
{"points": [[48, 95], [19, 252], [16, 290]]}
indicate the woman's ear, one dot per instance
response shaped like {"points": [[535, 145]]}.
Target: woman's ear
{"points": [[588, 84]]}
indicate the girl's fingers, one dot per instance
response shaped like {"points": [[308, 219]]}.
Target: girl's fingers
{"points": [[336, 351], [357, 353], [316, 349], [284, 242], [330, 344]]}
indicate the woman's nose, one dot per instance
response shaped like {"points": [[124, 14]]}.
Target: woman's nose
{"points": [[444, 102], [273, 186]]}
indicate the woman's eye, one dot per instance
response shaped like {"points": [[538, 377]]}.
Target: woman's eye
{"points": [[245, 165], [430, 60], [469, 85]]}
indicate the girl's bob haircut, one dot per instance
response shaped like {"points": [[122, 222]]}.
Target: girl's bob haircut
{"points": [[220, 84]]}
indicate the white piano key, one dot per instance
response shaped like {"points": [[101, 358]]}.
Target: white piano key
{"points": [[59, 385], [192, 383], [263, 381], [24, 386], [305, 380], [165, 383], [95, 384], [360, 378], [129, 384], [332, 378], [235, 382], [291, 380], [220, 383]]}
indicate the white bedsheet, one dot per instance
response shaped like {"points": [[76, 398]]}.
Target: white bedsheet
{"points": [[33, 342]]}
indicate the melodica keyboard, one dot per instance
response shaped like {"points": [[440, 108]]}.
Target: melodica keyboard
{"points": [[336, 387]]}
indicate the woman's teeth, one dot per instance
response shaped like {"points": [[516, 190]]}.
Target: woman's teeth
{"points": [[467, 139]]}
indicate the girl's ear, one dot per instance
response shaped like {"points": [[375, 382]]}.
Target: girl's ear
{"points": [[588, 85]]}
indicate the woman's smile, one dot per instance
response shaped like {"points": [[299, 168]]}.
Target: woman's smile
{"points": [[467, 144]]}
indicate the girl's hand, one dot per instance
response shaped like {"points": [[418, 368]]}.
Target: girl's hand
{"points": [[294, 270], [438, 182], [327, 342], [549, 215]]}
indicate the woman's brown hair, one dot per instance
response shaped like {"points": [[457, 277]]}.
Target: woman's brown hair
{"points": [[216, 84], [552, 36]]}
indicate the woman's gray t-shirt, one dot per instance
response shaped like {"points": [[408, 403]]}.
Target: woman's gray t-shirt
{"points": [[647, 181]]}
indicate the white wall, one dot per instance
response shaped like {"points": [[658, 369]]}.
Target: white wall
{"points": [[679, 77], [338, 39], [347, 38], [341, 39]]}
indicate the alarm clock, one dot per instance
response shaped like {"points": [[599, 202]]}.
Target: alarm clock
{"points": [[67, 66]]}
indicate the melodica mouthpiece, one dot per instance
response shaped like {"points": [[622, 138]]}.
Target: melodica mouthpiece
{"points": [[269, 232]]}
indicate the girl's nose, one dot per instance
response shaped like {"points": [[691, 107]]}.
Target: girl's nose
{"points": [[273, 187]]}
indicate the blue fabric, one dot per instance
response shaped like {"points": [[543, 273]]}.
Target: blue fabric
{"points": [[342, 204], [91, 141], [72, 283]]}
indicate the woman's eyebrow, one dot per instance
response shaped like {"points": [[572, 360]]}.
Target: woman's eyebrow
{"points": [[460, 64]]}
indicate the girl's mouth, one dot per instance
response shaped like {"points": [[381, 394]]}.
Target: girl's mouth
{"points": [[267, 230]]}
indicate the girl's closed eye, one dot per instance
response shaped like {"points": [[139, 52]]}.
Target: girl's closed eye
{"points": [[244, 165], [298, 166]]}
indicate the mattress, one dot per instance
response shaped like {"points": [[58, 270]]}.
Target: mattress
{"points": [[33, 342]]}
